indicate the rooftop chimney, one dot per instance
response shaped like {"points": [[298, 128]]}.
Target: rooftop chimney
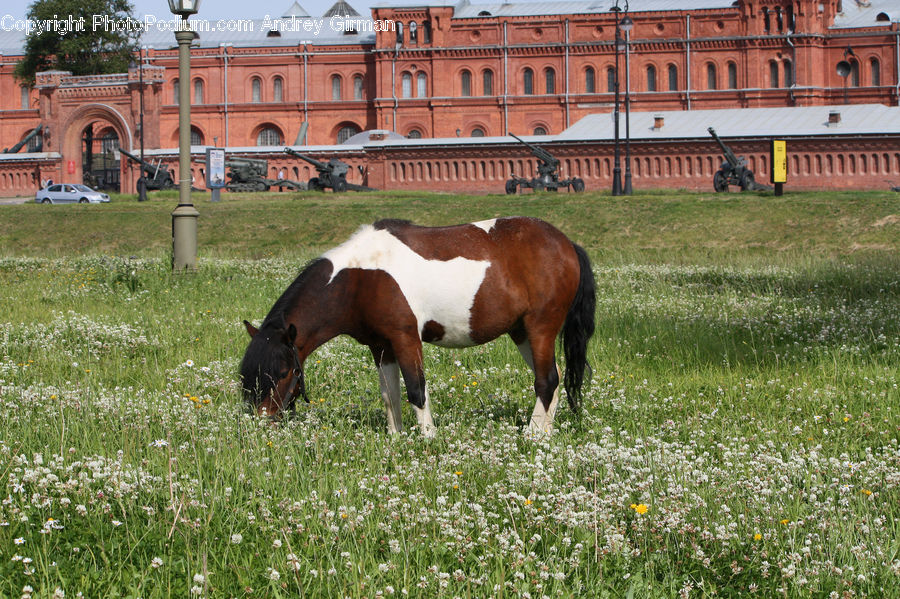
{"points": [[658, 122], [834, 118]]}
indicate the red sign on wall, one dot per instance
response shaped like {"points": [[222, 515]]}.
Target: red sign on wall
{"points": [[70, 167]]}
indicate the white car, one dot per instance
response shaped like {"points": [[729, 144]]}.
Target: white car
{"points": [[62, 193]]}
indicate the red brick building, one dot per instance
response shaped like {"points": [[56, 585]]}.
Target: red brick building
{"points": [[449, 70]]}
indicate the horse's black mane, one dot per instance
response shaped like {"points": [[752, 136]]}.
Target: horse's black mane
{"points": [[389, 223]]}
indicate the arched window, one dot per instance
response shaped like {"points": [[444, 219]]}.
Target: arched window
{"points": [[25, 97], [477, 132], [788, 73], [487, 82], [610, 79], [711, 79], [773, 73], [336, 88], [269, 136], [651, 78], [414, 134], [413, 33], [426, 32], [673, 78], [854, 73], [176, 92], [875, 71], [465, 83], [198, 91], [405, 85], [357, 87], [550, 80], [346, 132], [732, 76], [590, 86], [399, 33], [528, 81], [278, 90], [196, 137], [539, 131], [767, 20], [421, 85], [256, 89]]}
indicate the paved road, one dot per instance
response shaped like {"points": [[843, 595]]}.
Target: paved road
{"points": [[15, 200]]}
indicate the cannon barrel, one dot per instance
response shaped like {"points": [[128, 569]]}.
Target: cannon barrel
{"points": [[729, 155], [22, 143], [147, 166], [539, 152], [320, 166]]}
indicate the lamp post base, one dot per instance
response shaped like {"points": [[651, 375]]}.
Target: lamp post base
{"points": [[184, 238]]}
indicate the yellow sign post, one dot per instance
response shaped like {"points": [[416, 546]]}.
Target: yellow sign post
{"points": [[778, 160]]}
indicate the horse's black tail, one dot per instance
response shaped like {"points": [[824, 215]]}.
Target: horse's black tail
{"points": [[577, 331]]}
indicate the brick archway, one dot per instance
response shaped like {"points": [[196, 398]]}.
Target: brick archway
{"points": [[71, 138]]}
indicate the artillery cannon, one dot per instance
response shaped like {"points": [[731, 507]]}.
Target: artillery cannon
{"points": [[548, 177], [734, 171], [155, 176], [332, 174], [249, 174], [31, 135]]}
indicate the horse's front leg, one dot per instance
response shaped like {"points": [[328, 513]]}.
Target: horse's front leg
{"points": [[409, 357], [389, 381]]}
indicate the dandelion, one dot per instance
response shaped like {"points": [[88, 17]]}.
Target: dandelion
{"points": [[757, 537], [865, 492], [785, 521], [640, 508]]}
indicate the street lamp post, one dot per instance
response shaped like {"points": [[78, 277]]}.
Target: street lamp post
{"points": [[184, 218], [626, 26], [142, 182], [617, 159]]}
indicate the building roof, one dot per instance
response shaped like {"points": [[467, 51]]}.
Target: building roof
{"points": [[867, 13], [855, 119], [340, 9], [467, 10], [295, 11]]}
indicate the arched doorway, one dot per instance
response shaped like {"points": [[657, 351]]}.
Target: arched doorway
{"points": [[100, 157], [91, 138]]}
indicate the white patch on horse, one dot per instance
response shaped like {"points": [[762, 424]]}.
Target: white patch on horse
{"points": [[486, 225], [439, 290]]}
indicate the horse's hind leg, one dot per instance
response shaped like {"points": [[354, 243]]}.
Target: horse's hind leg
{"points": [[389, 380], [409, 357], [546, 384]]}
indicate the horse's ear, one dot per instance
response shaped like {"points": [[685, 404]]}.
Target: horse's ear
{"points": [[251, 330], [291, 333]]}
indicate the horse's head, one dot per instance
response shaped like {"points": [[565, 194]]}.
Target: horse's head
{"points": [[271, 372]]}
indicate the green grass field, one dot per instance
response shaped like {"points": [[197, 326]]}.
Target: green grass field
{"points": [[740, 436]]}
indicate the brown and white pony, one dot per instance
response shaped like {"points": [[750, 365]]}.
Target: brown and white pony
{"points": [[394, 284]]}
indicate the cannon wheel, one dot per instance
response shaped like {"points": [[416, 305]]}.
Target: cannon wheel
{"points": [[747, 181], [340, 185], [315, 185], [720, 182], [578, 184], [511, 187]]}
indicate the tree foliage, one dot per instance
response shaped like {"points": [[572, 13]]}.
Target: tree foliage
{"points": [[90, 51]]}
